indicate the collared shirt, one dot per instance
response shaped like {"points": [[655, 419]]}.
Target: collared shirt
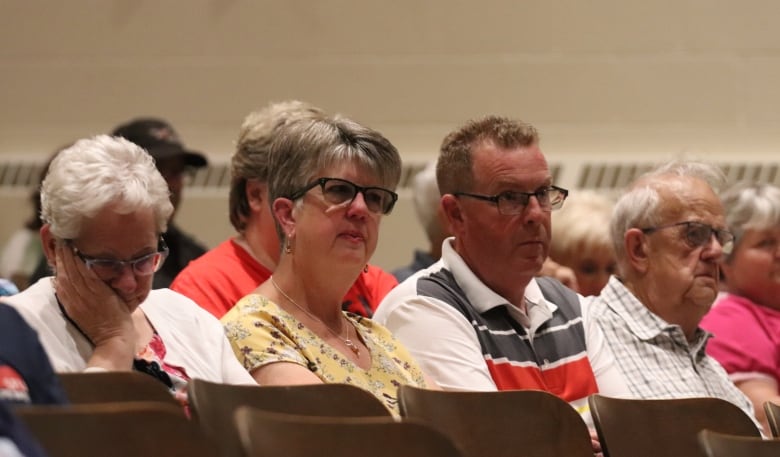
{"points": [[747, 338], [654, 356], [445, 342]]}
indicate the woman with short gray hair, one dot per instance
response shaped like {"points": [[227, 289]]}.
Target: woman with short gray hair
{"points": [[746, 320], [104, 207], [332, 182]]}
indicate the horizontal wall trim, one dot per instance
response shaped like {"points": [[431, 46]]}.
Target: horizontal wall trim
{"points": [[16, 174]]}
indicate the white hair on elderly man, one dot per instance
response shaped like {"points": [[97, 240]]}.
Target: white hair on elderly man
{"points": [[640, 205]]}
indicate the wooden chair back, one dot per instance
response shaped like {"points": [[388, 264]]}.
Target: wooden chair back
{"points": [[213, 405], [273, 434], [124, 429], [772, 411], [114, 386], [531, 423], [660, 428], [716, 444]]}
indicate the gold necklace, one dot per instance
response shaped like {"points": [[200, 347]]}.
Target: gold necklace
{"points": [[347, 341]]}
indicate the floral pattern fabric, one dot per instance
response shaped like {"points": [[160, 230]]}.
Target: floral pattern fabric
{"points": [[151, 360], [261, 332]]}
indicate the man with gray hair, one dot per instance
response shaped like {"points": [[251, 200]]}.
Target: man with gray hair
{"points": [[669, 234]]}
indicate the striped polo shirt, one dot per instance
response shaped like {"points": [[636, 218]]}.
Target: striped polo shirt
{"points": [[552, 357]]}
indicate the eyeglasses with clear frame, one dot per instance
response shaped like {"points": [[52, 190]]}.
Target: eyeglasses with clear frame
{"points": [[107, 269], [511, 202], [699, 234], [342, 192]]}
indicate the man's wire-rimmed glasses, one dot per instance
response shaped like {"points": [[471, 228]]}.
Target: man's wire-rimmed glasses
{"points": [[699, 234], [512, 202]]}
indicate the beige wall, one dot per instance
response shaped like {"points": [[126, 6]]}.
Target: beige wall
{"points": [[615, 80]]}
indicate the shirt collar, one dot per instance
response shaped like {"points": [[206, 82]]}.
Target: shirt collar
{"points": [[481, 297], [643, 323]]}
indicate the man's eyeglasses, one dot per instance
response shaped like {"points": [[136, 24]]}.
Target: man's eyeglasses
{"points": [[107, 269], [342, 192], [510, 202], [698, 234]]}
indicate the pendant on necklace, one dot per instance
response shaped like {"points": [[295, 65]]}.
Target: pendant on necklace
{"points": [[352, 347]]}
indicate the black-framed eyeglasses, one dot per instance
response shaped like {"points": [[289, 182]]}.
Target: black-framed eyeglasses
{"points": [[342, 192], [511, 202], [699, 234], [107, 269]]}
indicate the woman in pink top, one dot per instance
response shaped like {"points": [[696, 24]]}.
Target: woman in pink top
{"points": [[746, 321]]}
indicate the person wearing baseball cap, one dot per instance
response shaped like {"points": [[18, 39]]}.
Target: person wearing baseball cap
{"points": [[173, 160]]}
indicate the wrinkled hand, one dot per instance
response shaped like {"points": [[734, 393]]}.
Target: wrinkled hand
{"points": [[563, 274], [98, 311]]}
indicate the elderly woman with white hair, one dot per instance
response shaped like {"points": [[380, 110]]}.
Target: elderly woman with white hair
{"points": [[104, 207], [746, 320]]}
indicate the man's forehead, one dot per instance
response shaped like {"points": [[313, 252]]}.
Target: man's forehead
{"points": [[689, 203]]}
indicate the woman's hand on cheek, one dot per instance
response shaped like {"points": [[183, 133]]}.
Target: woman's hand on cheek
{"points": [[98, 311]]}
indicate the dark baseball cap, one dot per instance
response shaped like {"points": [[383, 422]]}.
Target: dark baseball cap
{"points": [[160, 139]]}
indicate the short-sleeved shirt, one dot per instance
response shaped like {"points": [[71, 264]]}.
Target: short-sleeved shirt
{"points": [[261, 332], [746, 338], [468, 337], [656, 358], [223, 275], [26, 376]]}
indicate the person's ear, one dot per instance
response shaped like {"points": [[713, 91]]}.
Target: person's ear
{"points": [[456, 219], [256, 194], [637, 249], [283, 210], [444, 223], [49, 243]]}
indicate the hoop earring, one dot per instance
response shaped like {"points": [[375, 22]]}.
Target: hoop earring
{"points": [[365, 269]]}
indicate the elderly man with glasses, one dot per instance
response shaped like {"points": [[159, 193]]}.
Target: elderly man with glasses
{"points": [[670, 237], [479, 318]]}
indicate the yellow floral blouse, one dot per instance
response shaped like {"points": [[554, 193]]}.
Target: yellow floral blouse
{"points": [[260, 333]]}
